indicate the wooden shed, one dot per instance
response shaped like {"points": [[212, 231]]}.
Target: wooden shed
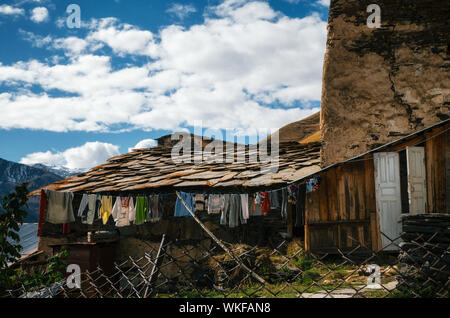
{"points": [[360, 201]]}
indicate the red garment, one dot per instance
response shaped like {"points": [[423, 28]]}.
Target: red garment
{"points": [[66, 228], [265, 202], [42, 211]]}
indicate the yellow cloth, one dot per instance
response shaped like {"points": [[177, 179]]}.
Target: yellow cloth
{"points": [[106, 209]]}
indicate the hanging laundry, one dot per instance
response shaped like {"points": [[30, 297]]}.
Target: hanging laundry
{"points": [[200, 204], [258, 199], [59, 207], [265, 202], [141, 210], [123, 211], [313, 184], [154, 210], [235, 210], [292, 192], [106, 208], [89, 208], [274, 201], [232, 211], [180, 209], [215, 203], [224, 217], [245, 210], [256, 205], [42, 211], [66, 228], [284, 203]]}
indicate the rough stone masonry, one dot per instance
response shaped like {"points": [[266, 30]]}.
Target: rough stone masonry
{"points": [[383, 83]]}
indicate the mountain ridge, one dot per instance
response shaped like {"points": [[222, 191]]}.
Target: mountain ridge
{"points": [[13, 174]]}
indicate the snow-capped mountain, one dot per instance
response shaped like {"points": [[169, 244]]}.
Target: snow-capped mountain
{"points": [[58, 170], [13, 174]]}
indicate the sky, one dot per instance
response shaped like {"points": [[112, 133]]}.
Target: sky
{"points": [[132, 71]]}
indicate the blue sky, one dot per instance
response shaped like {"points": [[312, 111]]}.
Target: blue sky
{"points": [[136, 70]]}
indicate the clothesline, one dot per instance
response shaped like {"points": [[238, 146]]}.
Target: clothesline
{"points": [[234, 209]]}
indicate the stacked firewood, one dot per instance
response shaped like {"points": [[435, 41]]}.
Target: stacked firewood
{"points": [[424, 258]]}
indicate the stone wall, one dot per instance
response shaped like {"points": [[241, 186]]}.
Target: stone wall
{"points": [[380, 84]]}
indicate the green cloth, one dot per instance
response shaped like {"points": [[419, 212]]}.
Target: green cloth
{"points": [[141, 210]]}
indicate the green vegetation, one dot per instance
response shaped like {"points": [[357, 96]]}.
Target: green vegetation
{"points": [[12, 216]]}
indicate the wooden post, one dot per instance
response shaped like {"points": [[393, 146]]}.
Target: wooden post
{"points": [[155, 269]]}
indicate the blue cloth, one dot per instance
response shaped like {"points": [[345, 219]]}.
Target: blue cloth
{"points": [[180, 209]]}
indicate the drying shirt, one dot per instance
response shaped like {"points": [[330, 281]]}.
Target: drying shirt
{"points": [[215, 203], [180, 209], [89, 208], [141, 210], [284, 203], [106, 208], [123, 211], [245, 211], [224, 214], [256, 206], [274, 202], [59, 207], [232, 211], [199, 200], [154, 210], [265, 202]]}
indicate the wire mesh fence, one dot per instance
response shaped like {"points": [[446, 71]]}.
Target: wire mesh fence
{"points": [[418, 267]]}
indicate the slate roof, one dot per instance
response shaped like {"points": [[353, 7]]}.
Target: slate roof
{"points": [[153, 170]]}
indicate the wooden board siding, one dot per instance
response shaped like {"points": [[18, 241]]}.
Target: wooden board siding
{"points": [[435, 152], [342, 213], [338, 214]]}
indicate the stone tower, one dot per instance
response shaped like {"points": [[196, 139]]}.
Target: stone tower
{"points": [[383, 83]]}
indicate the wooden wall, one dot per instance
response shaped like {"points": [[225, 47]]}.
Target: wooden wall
{"points": [[436, 158], [339, 214], [342, 213]]}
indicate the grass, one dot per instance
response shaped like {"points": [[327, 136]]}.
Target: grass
{"points": [[308, 276]]}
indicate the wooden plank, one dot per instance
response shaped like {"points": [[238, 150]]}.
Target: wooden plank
{"points": [[361, 235], [341, 194], [375, 231], [439, 171], [323, 198], [332, 195]]}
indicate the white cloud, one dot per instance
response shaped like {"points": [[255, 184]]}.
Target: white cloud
{"points": [[39, 14], [146, 143], [36, 40], [10, 10], [226, 72], [181, 10], [84, 157], [325, 3]]}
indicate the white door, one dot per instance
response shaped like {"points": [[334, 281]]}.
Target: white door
{"points": [[417, 190], [388, 197]]}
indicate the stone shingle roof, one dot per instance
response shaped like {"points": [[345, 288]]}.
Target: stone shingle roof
{"points": [[153, 170]]}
